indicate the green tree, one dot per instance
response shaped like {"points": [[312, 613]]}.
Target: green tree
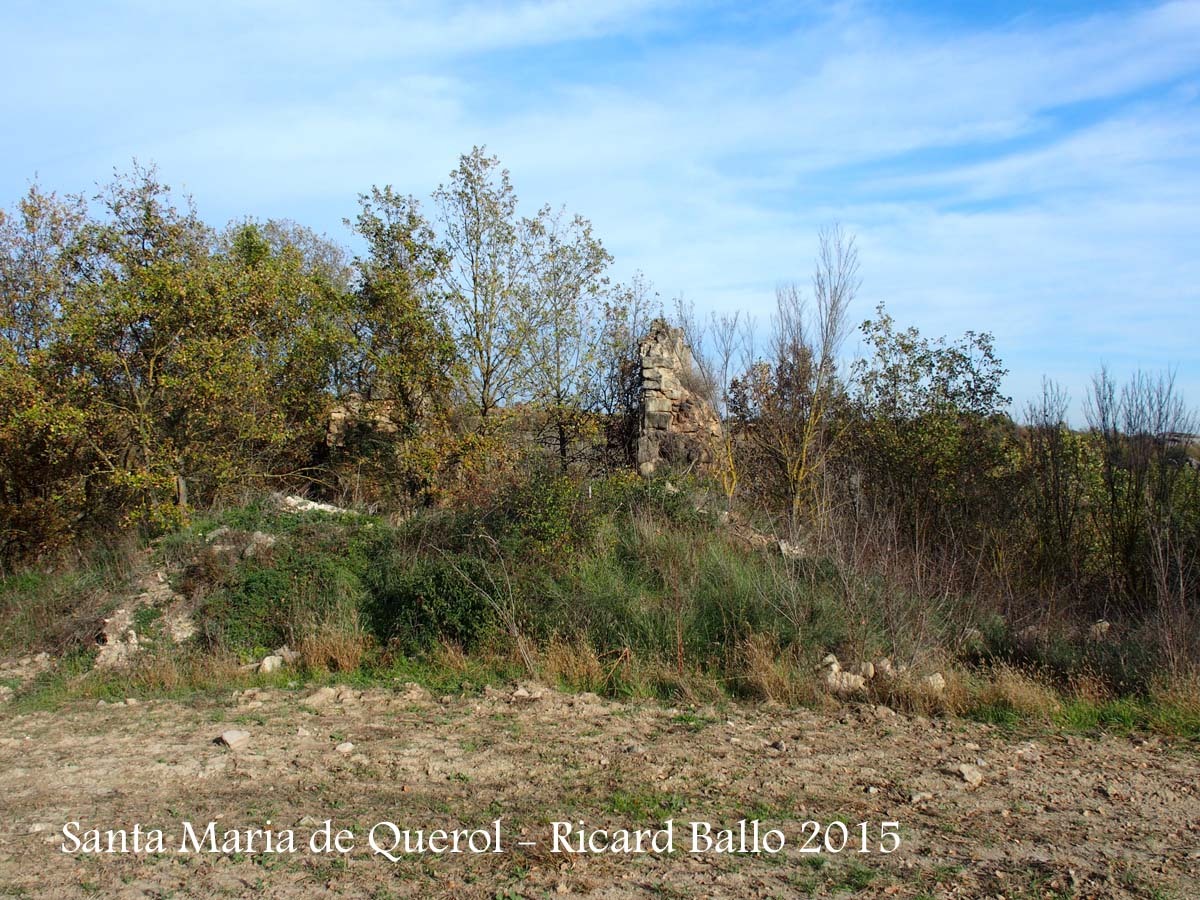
{"points": [[42, 458], [568, 264], [492, 308], [933, 444], [403, 350], [785, 406]]}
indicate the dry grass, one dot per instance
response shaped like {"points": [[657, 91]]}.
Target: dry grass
{"points": [[1089, 688], [62, 608], [761, 671], [920, 693], [180, 671], [573, 664], [1179, 692], [333, 649], [1026, 694]]}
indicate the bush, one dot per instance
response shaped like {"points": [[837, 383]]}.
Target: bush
{"points": [[414, 605], [265, 604]]}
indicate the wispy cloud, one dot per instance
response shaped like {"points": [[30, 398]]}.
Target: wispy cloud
{"points": [[1039, 178]]}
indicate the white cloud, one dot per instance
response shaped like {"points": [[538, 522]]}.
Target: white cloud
{"points": [[1039, 180]]}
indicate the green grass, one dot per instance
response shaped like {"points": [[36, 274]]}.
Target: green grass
{"points": [[643, 807], [1123, 715], [56, 609], [1002, 715]]}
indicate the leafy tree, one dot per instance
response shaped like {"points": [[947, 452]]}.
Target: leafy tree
{"points": [[625, 318], [491, 305], [404, 351], [42, 459], [568, 264], [401, 364], [932, 441]]}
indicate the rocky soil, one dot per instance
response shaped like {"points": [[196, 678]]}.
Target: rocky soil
{"points": [[980, 813]]}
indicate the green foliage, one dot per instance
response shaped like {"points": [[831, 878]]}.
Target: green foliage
{"points": [[412, 605], [404, 351], [542, 517], [263, 605], [930, 442]]}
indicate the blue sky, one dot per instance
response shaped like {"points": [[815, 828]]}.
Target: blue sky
{"points": [[1033, 172]]}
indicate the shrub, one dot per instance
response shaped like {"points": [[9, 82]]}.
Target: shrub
{"points": [[418, 603], [267, 603]]}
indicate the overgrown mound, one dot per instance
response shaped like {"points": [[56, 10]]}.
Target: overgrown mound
{"points": [[622, 586]]}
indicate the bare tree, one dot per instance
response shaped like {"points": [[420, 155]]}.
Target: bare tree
{"points": [[783, 404], [733, 339]]}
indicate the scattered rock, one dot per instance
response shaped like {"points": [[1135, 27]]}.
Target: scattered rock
{"points": [[117, 639], [1029, 753], [840, 682], [867, 670], [969, 773], [883, 668], [288, 655], [270, 664], [320, 697], [789, 550], [920, 797], [178, 623], [344, 747], [234, 739], [217, 533], [410, 690], [1099, 631]]}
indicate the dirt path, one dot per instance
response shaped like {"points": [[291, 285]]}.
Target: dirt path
{"points": [[1052, 816]]}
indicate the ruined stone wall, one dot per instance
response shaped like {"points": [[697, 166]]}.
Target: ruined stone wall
{"points": [[676, 425]]}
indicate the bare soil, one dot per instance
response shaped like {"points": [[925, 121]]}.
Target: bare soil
{"points": [[1054, 815]]}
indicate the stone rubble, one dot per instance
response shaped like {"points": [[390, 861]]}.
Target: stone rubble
{"points": [[291, 503]]}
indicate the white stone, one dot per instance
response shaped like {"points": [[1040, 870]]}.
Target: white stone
{"points": [[788, 550], [300, 504], [840, 682], [970, 774], [259, 542], [234, 738]]}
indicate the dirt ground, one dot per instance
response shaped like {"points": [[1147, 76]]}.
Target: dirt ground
{"points": [[1053, 816]]}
